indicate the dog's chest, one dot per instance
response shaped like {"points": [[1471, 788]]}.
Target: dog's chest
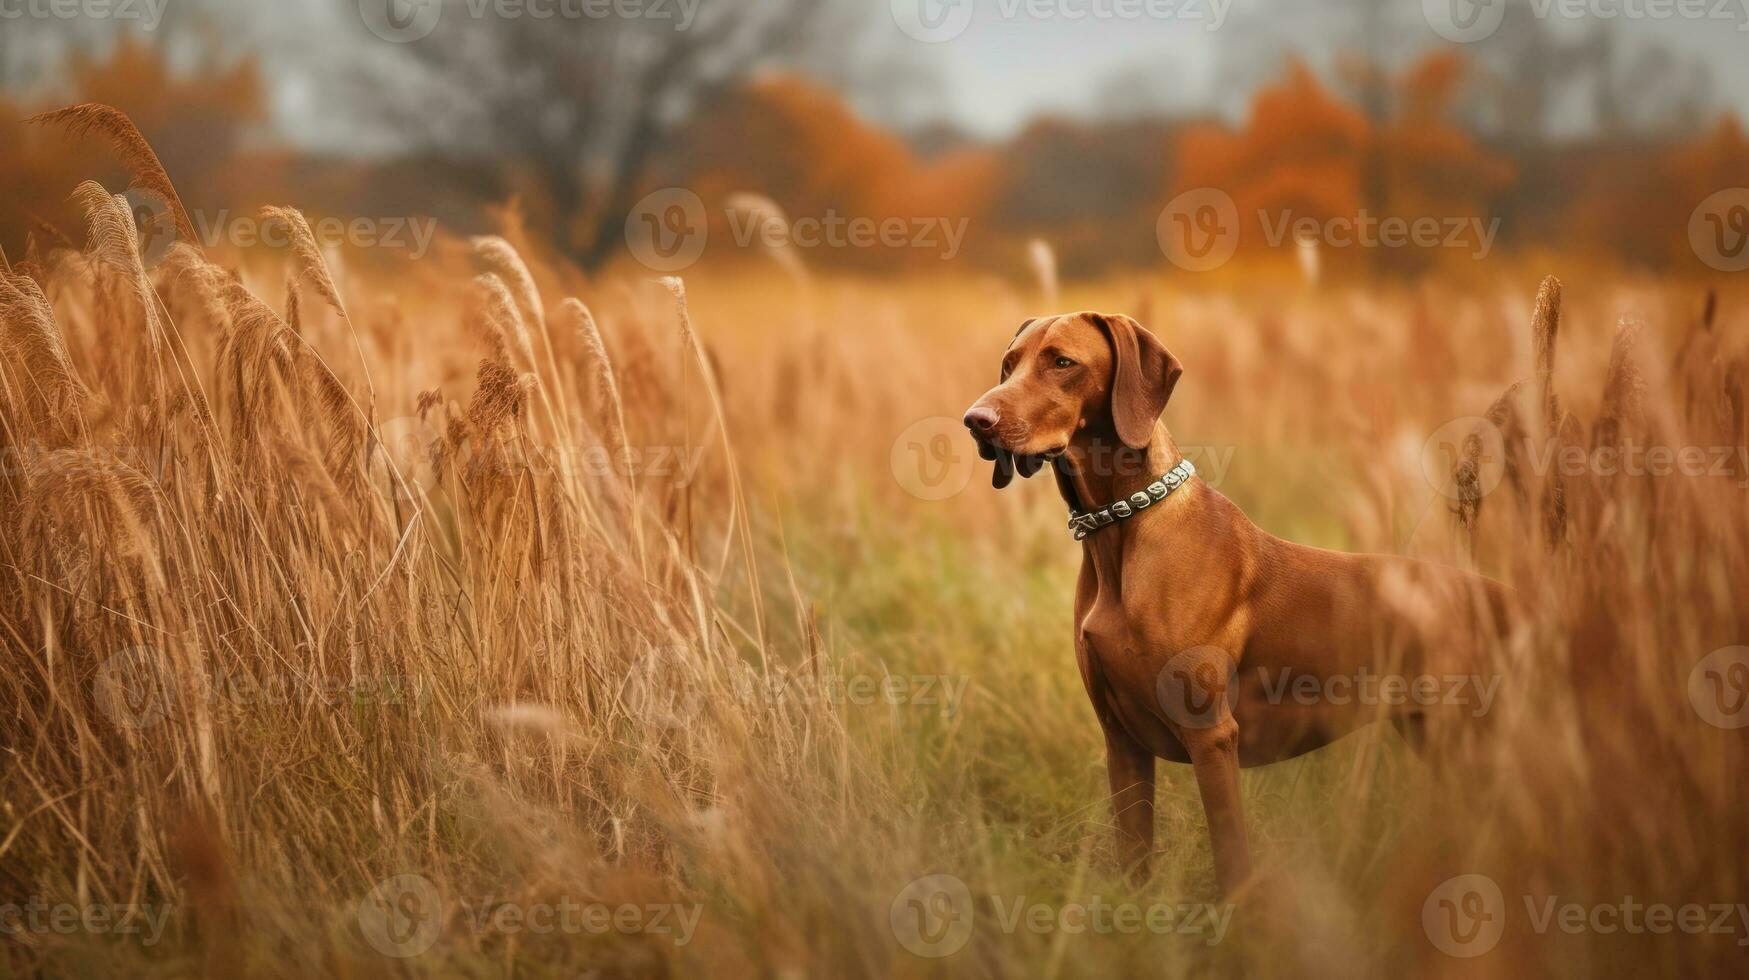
{"points": [[1123, 682], [1115, 647]]}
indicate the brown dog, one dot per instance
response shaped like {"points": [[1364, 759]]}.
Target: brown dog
{"points": [[1200, 637]]}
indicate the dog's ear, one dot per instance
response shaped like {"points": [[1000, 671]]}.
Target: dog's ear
{"points": [[1144, 373]]}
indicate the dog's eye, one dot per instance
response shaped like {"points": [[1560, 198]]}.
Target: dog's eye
{"points": [[1064, 362]]}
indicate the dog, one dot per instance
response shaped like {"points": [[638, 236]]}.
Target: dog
{"points": [[1201, 638]]}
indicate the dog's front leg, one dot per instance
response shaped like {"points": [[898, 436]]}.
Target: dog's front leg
{"points": [[1214, 756], [1131, 769]]}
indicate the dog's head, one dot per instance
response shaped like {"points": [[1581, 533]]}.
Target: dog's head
{"points": [[1065, 373]]}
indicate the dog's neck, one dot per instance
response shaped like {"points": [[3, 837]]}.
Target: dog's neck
{"points": [[1098, 468]]}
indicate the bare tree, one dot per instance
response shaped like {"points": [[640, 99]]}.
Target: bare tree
{"points": [[588, 101]]}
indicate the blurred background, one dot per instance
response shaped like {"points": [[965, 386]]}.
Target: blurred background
{"points": [[1592, 128]]}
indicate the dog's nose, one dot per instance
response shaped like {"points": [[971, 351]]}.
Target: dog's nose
{"points": [[981, 420]]}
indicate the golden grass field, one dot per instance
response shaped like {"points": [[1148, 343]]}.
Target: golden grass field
{"points": [[318, 574]]}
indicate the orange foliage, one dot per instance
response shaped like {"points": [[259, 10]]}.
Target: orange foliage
{"points": [[195, 123], [1432, 166], [1635, 201], [1300, 149], [803, 147], [1306, 152]]}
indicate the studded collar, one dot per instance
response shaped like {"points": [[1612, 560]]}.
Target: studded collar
{"points": [[1083, 524]]}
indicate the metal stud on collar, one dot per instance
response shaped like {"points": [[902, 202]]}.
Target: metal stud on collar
{"points": [[1085, 524]]}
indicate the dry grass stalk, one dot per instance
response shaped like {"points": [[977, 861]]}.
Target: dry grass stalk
{"points": [[116, 129]]}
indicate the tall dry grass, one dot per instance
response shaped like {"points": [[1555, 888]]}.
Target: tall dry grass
{"points": [[387, 579]]}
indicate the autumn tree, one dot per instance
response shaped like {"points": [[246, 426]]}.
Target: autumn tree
{"points": [[587, 103]]}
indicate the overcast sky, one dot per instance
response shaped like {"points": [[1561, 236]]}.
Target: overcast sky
{"points": [[985, 65], [1003, 66]]}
